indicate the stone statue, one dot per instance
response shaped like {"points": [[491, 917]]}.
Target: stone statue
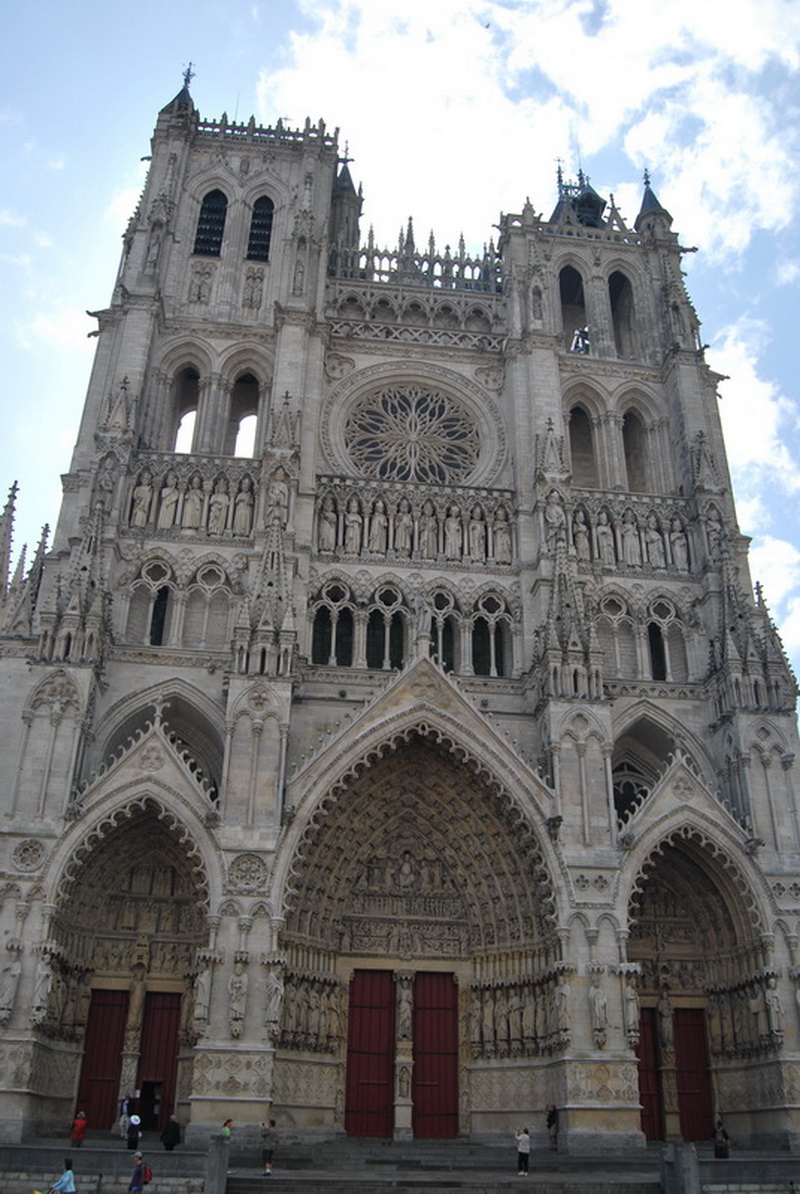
{"points": [[655, 543], [192, 514], [237, 995], [562, 1004], [327, 525], [452, 534], [403, 529], [404, 1008], [41, 989], [554, 520], [168, 502], [630, 1012], [631, 548], [9, 981], [218, 508], [243, 508], [202, 989], [679, 545], [774, 1008], [598, 1009], [275, 990], [666, 1033], [605, 540], [501, 534], [428, 532], [378, 529], [477, 534], [142, 497], [352, 528], [580, 536]]}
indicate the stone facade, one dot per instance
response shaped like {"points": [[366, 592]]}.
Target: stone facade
{"points": [[452, 669]]}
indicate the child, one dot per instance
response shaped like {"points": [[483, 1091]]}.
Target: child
{"points": [[523, 1139], [268, 1137]]}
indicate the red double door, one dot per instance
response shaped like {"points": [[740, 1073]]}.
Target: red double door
{"points": [[369, 1095], [99, 1088], [692, 1078]]}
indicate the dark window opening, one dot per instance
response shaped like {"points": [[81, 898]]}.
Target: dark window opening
{"points": [[581, 447], [260, 229], [344, 638], [158, 621], [211, 225], [658, 656], [481, 648]]}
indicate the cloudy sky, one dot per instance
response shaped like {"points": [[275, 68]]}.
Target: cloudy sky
{"points": [[453, 111]]}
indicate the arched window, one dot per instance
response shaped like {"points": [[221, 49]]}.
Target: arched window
{"points": [[573, 311], [332, 630], [620, 297], [211, 225], [581, 449], [242, 419], [260, 229], [635, 448], [159, 620], [444, 637], [491, 639], [658, 656], [185, 397], [386, 632]]}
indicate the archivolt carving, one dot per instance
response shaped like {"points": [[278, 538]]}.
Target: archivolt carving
{"points": [[446, 863]]}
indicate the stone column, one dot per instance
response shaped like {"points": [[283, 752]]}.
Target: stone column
{"points": [[403, 1063]]}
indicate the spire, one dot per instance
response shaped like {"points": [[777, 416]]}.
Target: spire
{"points": [[6, 534], [183, 102], [651, 210]]}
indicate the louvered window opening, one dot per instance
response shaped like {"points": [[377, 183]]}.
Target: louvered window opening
{"points": [[211, 225], [260, 230]]}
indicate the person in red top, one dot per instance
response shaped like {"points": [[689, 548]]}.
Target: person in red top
{"points": [[78, 1129]]}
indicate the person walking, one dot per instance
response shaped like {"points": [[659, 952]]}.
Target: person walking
{"points": [[171, 1135], [523, 1139], [134, 1132], [66, 1183], [551, 1121], [721, 1140], [78, 1129], [269, 1138], [227, 1130], [136, 1185]]}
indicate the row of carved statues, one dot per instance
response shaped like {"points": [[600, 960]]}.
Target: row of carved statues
{"points": [[203, 505], [354, 527]]}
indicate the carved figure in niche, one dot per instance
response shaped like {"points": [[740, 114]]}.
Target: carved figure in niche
{"points": [[536, 304], [378, 529], [202, 989], [327, 525], [428, 532], [580, 536], [193, 504], [487, 1022], [407, 872], [714, 533], [404, 1082], [554, 520], [477, 534], [666, 1033], [42, 985], [631, 548], [243, 508], [403, 529], [168, 502], [237, 996], [605, 540], [275, 990], [253, 290], [452, 534], [200, 284], [278, 498], [758, 1010], [141, 499], [655, 543], [218, 508], [679, 545], [562, 1004], [404, 1008], [9, 981], [598, 1009], [774, 1008], [154, 248], [352, 528], [630, 1012], [501, 533]]}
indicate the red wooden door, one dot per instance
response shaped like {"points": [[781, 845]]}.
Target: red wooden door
{"points": [[693, 1082], [435, 1036], [158, 1061], [649, 1086], [369, 1094], [98, 1090]]}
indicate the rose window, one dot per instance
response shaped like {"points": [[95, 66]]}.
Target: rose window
{"points": [[412, 434]]}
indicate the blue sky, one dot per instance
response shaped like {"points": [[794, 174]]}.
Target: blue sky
{"points": [[453, 110]]}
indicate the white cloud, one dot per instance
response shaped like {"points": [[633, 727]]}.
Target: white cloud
{"points": [[10, 219], [122, 206], [66, 328]]}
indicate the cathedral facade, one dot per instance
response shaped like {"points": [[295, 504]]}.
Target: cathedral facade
{"points": [[392, 740]]}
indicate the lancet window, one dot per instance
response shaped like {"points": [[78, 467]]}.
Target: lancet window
{"points": [[260, 229], [211, 225], [581, 448], [574, 319], [620, 297]]}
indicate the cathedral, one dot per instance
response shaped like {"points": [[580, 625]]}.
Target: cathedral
{"points": [[393, 742]]}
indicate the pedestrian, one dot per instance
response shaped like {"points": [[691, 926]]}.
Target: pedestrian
{"points": [[137, 1177], [134, 1132], [66, 1183], [171, 1134], [78, 1129], [125, 1108], [721, 1140], [523, 1139], [268, 1141], [227, 1130], [551, 1120]]}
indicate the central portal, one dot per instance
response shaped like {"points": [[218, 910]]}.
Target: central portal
{"points": [[395, 1062]]}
